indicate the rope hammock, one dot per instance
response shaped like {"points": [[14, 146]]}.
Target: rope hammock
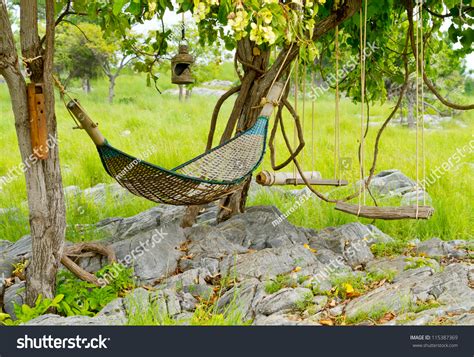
{"points": [[206, 178]]}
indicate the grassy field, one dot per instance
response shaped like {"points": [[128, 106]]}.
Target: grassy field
{"points": [[141, 117]]}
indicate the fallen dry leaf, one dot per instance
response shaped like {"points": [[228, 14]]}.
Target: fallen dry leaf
{"points": [[326, 322], [312, 250]]}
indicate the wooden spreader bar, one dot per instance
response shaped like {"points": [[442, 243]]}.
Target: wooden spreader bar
{"points": [[266, 178]]}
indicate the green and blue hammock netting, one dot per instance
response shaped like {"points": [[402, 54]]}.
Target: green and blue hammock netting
{"points": [[206, 178]]}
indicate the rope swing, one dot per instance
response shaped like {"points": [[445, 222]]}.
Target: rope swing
{"points": [[416, 211]]}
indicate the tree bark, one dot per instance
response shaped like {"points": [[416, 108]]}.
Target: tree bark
{"points": [[43, 178], [112, 88], [86, 85]]}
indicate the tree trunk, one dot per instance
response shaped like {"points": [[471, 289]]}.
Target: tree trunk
{"points": [[86, 85], [111, 88], [43, 177], [411, 112]]}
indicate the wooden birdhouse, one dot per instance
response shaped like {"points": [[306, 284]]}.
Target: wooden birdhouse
{"points": [[181, 66]]}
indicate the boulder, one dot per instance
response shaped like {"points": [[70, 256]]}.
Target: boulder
{"points": [[279, 319], [391, 183], [243, 298], [350, 240], [436, 248], [14, 294], [206, 247], [191, 281], [149, 242], [282, 300], [257, 229], [20, 249], [410, 198], [267, 263], [56, 320], [6, 268]]}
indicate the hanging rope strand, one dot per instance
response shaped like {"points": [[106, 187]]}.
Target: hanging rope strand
{"points": [[312, 125], [337, 158], [422, 55], [363, 40], [417, 111], [295, 135]]}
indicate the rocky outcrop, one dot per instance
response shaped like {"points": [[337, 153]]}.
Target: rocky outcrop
{"points": [[232, 264]]}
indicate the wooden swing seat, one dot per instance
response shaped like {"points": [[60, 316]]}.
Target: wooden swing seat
{"points": [[386, 213]]}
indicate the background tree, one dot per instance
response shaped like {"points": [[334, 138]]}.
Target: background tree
{"points": [[79, 51], [83, 52]]}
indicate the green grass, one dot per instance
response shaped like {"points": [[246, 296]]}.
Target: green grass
{"points": [[178, 131], [280, 282]]}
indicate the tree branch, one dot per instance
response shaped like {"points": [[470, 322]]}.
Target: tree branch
{"points": [[429, 84]]}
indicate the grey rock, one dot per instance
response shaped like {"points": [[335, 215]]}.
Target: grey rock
{"points": [[267, 263], [391, 298], [410, 198], [336, 311], [437, 248], [208, 92], [449, 287], [4, 244], [428, 316], [376, 236], [14, 294], [166, 301], [255, 229], [20, 249], [72, 192], [391, 183], [466, 319], [114, 311], [280, 320], [416, 273], [56, 320], [6, 268], [284, 299], [218, 83], [243, 298], [319, 302], [188, 302], [188, 278], [207, 243], [350, 240], [137, 302], [400, 266], [389, 264], [191, 281], [118, 229], [101, 192]]}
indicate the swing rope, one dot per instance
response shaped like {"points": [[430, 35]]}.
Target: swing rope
{"points": [[337, 139], [363, 45], [420, 117]]}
